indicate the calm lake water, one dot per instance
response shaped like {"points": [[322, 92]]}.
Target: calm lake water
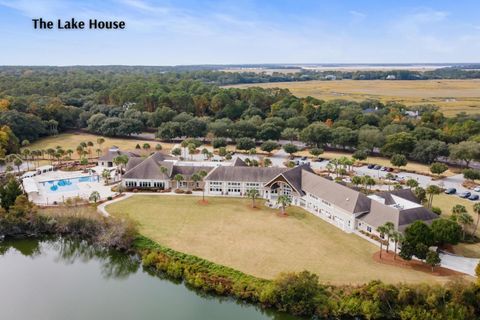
{"points": [[58, 279]]}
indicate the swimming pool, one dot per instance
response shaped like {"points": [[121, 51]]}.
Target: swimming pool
{"points": [[65, 185]]}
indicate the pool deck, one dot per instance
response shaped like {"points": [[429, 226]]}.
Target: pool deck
{"points": [[85, 189]]}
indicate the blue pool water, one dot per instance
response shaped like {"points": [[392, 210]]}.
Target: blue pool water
{"points": [[65, 185]]}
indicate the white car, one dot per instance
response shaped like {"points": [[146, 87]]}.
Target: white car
{"points": [[477, 189]]}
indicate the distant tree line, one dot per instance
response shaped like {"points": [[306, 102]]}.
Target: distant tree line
{"points": [[37, 102]]}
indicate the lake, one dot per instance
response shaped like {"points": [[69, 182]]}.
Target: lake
{"points": [[60, 279]]}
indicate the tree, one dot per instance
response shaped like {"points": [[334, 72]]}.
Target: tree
{"points": [[253, 194], [316, 134], [344, 137], [316, 151], [196, 178], [202, 174], [412, 183], [428, 151], [17, 162], [290, 134], [419, 232], [465, 220], [84, 163], [245, 143], [178, 178], [438, 168], [290, 148], [465, 151], [433, 259], [146, 147], [360, 155], [176, 152], [267, 162], [396, 237], [158, 147], [471, 174], [283, 201], [9, 191], [446, 231], [399, 143], [382, 230], [390, 228], [398, 160], [476, 209], [106, 175], [94, 196], [219, 143], [269, 146], [431, 191], [121, 161]]}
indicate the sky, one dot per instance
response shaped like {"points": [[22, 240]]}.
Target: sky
{"points": [[185, 32]]}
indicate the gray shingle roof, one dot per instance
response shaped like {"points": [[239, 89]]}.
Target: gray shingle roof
{"points": [[293, 177], [150, 168], [245, 174], [406, 194], [239, 163], [381, 213], [347, 199], [188, 171], [112, 154]]}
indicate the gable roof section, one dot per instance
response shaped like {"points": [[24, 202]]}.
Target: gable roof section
{"points": [[188, 171], [150, 168], [239, 163], [406, 194], [113, 153], [381, 213], [245, 174], [343, 197], [292, 177]]}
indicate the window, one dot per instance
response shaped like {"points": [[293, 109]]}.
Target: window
{"points": [[233, 187], [131, 183], [216, 186], [326, 203], [252, 185], [369, 229], [287, 190]]}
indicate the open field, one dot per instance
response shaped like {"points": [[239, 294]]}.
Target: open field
{"points": [[259, 241], [452, 96], [72, 140]]}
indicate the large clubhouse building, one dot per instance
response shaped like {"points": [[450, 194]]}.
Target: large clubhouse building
{"points": [[344, 207]]}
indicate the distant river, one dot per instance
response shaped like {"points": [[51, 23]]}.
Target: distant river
{"points": [[53, 280]]}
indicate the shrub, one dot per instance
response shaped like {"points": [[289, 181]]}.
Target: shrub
{"points": [[188, 192], [437, 210], [109, 198]]}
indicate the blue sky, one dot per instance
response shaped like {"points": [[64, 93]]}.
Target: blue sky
{"points": [[240, 32]]}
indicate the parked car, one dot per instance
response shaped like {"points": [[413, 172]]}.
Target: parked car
{"points": [[304, 158], [318, 160], [477, 189], [370, 166], [465, 194], [390, 170], [473, 197], [451, 191], [377, 167], [384, 168]]}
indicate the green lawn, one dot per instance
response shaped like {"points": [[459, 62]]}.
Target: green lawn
{"points": [[259, 241]]}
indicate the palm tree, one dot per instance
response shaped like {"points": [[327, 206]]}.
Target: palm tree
{"points": [[382, 230], [17, 162], [196, 178], [465, 220], [253, 194], [90, 145], [284, 201], [158, 147], [94, 196], [26, 152], [178, 177], [100, 141], [431, 191], [396, 237], [120, 161], [203, 174], [390, 228], [106, 175], [69, 152], [163, 170], [476, 209], [84, 163]]}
